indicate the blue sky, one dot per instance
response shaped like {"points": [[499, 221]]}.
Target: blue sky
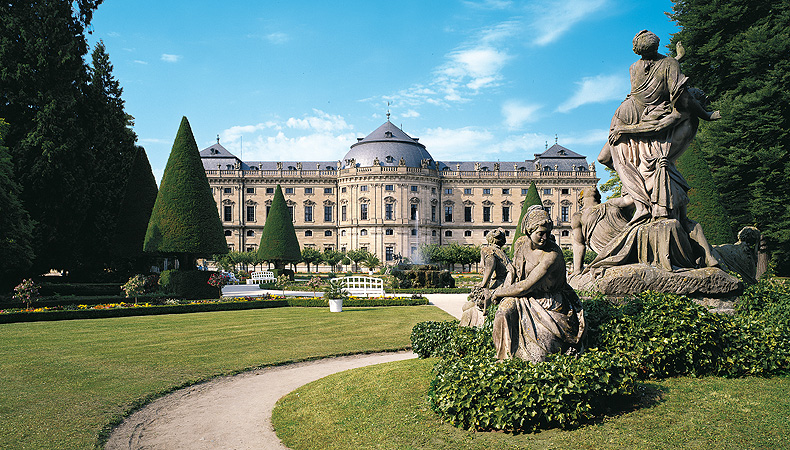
{"points": [[296, 80]]}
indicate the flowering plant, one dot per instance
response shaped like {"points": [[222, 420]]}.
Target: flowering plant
{"points": [[314, 283], [26, 291], [218, 279], [135, 286]]}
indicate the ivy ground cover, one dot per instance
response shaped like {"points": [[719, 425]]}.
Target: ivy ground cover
{"points": [[63, 382]]}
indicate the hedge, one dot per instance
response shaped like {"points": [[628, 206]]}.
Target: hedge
{"points": [[431, 291], [54, 301], [41, 316]]}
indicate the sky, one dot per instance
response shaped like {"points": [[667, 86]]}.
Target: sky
{"points": [[474, 80]]}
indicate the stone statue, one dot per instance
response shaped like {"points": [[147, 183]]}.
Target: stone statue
{"points": [[402, 162], [741, 257], [539, 313], [376, 161], [496, 264], [659, 248], [596, 225]]}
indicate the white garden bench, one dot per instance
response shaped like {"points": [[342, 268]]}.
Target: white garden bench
{"points": [[359, 286], [264, 276]]}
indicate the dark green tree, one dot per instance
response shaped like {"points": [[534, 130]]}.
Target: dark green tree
{"points": [[134, 214], [16, 228], [279, 245], [332, 258], [310, 256], [736, 51], [532, 198], [42, 79], [185, 222], [705, 204], [111, 145]]}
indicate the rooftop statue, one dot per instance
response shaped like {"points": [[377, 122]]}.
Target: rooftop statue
{"points": [[539, 313]]}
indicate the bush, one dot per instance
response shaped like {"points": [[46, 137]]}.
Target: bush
{"points": [[188, 284], [481, 393], [429, 338]]}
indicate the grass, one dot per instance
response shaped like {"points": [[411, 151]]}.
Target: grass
{"points": [[63, 382], [386, 407]]}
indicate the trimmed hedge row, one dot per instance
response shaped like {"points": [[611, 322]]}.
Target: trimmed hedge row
{"points": [[431, 291], [197, 307], [54, 301]]}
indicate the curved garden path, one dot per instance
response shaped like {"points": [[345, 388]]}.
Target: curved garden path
{"points": [[235, 412]]}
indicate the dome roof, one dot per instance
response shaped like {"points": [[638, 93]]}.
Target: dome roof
{"points": [[389, 144]]}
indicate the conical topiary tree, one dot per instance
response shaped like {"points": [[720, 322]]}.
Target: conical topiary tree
{"points": [[705, 204], [185, 222], [532, 198], [135, 212], [278, 238]]}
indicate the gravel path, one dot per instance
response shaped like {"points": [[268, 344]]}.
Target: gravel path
{"points": [[235, 412]]}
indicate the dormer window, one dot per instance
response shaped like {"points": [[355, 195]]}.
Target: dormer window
{"points": [[547, 168], [214, 151], [390, 159], [561, 152], [388, 134], [291, 168]]}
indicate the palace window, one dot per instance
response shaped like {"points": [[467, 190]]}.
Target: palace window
{"points": [[448, 213], [468, 233], [433, 213], [308, 190], [308, 233], [327, 190], [448, 191], [563, 213], [289, 190], [327, 213], [414, 232], [227, 190], [448, 233], [389, 187], [389, 232], [250, 190], [363, 188], [546, 191], [328, 233], [250, 233], [270, 190], [389, 252], [486, 191], [228, 233], [505, 191], [308, 213], [467, 213], [227, 213], [343, 215], [363, 232], [363, 211], [565, 191], [250, 213], [467, 191], [506, 214], [389, 211], [413, 215], [486, 214], [414, 188]]}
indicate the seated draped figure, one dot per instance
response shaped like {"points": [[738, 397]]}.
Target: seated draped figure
{"points": [[495, 264], [539, 313]]}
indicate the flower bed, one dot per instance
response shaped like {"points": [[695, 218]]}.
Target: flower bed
{"points": [[124, 309]]}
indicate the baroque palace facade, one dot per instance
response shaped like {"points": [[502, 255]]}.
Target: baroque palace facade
{"points": [[390, 196]]}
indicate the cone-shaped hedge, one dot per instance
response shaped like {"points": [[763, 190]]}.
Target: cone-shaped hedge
{"points": [[135, 212], [278, 239], [185, 221], [705, 205], [532, 198]]}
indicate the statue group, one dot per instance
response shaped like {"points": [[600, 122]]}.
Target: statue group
{"points": [[644, 235]]}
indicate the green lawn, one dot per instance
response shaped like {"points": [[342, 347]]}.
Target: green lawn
{"points": [[386, 407], [62, 382]]}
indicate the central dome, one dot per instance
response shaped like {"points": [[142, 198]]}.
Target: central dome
{"points": [[389, 144]]}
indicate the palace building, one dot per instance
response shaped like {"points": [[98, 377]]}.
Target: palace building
{"points": [[390, 196]]}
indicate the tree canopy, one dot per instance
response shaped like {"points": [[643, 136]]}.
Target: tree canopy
{"points": [[185, 220], [736, 51], [135, 211], [279, 244]]}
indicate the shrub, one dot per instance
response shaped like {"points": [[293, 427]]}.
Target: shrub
{"points": [[334, 290], [481, 393], [188, 284], [429, 338], [26, 291]]}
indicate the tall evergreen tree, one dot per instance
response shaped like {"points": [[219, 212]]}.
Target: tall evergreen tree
{"points": [[736, 51], [16, 229], [134, 214], [532, 198], [185, 222], [279, 244], [42, 78], [111, 144]]}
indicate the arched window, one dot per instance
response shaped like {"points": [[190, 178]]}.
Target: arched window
{"points": [[448, 233], [308, 233], [468, 233], [363, 232], [328, 233]]}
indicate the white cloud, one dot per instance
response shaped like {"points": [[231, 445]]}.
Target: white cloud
{"points": [[410, 113], [552, 18], [517, 114], [489, 4], [166, 57], [321, 122], [601, 88], [590, 137], [278, 38], [137, 61], [456, 144], [311, 147]]}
